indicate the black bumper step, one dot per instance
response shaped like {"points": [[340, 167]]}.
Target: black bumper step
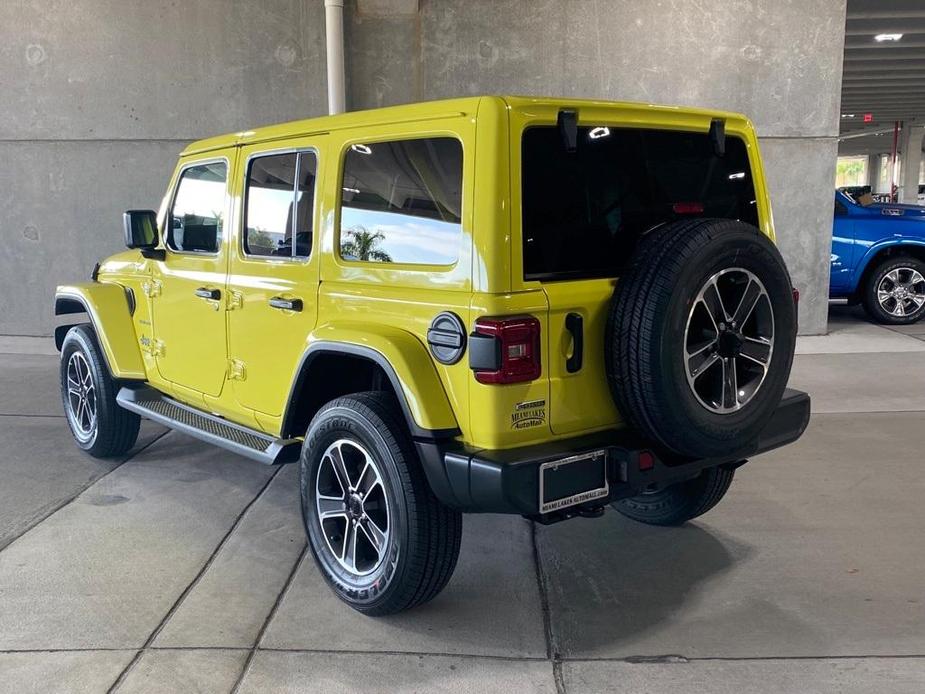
{"points": [[508, 481], [154, 405]]}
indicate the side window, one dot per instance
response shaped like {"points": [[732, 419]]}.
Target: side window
{"points": [[401, 202], [195, 219], [279, 205]]}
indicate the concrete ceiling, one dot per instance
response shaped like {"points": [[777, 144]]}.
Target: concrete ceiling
{"points": [[885, 79]]}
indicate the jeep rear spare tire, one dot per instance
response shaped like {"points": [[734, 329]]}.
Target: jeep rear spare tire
{"points": [[700, 336]]}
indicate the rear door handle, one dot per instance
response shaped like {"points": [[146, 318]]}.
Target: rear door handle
{"points": [[286, 304], [575, 325], [206, 293]]}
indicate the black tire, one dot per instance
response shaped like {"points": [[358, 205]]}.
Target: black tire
{"points": [[904, 266], [422, 535], [680, 502], [647, 335], [112, 430]]}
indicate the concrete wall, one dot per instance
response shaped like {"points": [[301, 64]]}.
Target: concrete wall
{"points": [[99, 97], [98, 100]]}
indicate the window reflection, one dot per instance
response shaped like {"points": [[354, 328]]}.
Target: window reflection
{"points": [[401, 202], [198, 209]]}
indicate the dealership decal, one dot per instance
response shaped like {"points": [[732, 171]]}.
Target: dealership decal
{"points": [[528, 414]]}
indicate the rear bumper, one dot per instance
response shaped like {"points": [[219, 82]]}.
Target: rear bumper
{"points": [[509, 481]]}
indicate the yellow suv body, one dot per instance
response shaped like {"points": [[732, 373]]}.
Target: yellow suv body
{"points": [[389, 250]]}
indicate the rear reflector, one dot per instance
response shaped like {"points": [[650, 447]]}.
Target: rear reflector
{"points": [[517, 346], [646, 460], [687, 207]]}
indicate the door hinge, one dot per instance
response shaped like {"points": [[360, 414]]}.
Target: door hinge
{"points": [[236, 370], [235, 300], [153, 347], [151, 288]]}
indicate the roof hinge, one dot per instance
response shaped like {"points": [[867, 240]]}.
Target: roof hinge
{"points": [[718, 136]]}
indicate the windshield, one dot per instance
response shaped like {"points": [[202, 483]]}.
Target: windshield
{"points": [[584, 211]]}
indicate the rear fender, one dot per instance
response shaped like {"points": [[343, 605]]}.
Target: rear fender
{"points": [[405, 361], [109, 308]]}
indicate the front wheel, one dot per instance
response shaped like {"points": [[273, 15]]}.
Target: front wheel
{"points": [[680, 502], [88, 393], [894, 293], [382, 540]]}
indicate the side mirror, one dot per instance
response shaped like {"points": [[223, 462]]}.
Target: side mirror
{"points": [[140, 229]]}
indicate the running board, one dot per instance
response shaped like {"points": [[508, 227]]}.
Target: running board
{"points": [[154, 405]]}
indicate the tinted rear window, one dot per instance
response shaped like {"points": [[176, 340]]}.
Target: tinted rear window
{"points": [[584, 211]]}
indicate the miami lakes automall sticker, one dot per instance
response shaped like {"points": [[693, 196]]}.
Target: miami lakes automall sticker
{"points": [[528, 414]]}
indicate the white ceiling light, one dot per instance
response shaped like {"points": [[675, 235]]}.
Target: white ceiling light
{"points": [[880, 38]]}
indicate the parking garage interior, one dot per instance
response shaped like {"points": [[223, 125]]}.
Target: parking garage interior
{"points": [[179, 567]]}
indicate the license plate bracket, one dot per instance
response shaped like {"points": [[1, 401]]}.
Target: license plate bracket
{"points": [[573, 480]]}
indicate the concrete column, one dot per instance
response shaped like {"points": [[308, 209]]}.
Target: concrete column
{"points": [[911, 162], [880, 161]]}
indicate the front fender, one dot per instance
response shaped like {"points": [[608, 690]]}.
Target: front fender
{"points": [[405, 361], [107, 306]]}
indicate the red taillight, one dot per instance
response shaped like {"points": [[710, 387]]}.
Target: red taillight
{"points": [[687, 207], [796, 296], [517, 349], [646, 460]]}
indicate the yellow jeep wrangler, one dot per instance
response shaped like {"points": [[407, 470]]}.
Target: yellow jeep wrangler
{"points": [[492, 304]]}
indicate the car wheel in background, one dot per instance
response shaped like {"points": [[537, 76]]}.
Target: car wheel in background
{"points": [[894, 292], [680, 502]]}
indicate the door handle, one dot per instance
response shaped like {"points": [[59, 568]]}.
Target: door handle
{"points": [[286, 304], [206, 293], [575, 325]]}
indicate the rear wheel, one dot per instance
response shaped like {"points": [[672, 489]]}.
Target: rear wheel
{"points": [[382, 540], [88, 393], [701, 335], [895, 291], [680, 502]]}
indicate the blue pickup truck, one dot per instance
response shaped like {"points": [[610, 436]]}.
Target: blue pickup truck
{"points": [[878, 258]]}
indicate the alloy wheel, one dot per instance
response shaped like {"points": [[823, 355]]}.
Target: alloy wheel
{"points": [[352, 507], [729, 340], [81, 397], [901, 292]]}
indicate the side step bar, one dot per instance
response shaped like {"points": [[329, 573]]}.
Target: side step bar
{"points": [[154, 405]]}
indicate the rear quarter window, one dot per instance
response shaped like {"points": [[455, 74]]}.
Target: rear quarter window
{"points": [[401, 202], [583, 212]]}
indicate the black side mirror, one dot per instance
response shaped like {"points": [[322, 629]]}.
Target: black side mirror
{"points": [[140, 229]]}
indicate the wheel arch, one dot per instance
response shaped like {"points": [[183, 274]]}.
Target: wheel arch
{"points": [[879, 252], [108, 308], [330, 368]]}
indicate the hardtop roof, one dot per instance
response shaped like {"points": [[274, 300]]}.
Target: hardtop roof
{"points": [[425, 110]]}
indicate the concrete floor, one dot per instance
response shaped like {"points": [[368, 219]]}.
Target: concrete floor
{"points": [[182, 568]]}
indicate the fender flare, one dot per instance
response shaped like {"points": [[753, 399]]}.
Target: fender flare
{"points": [[109, 308], [405, 362], [878, 247]]}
